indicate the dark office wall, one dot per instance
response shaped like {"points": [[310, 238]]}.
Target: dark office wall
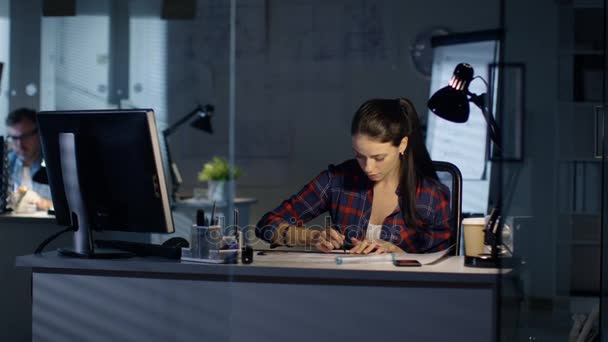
{"points": [[303, 68]]}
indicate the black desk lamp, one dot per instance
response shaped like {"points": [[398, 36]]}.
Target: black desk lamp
{"points": [[202, 122], [452, 103]]}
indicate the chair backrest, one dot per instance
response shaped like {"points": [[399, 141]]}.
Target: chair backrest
{"points": [[450, 176]]}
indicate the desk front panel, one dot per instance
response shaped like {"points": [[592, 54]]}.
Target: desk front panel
{"points": [[114, 307]]}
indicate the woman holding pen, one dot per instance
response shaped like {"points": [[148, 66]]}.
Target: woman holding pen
{"points": [[386, 200]]}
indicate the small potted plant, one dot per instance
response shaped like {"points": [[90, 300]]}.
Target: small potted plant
{"points": [[217, 172]]}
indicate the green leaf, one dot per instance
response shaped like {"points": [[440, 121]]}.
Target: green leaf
{"points": [[218, 169]]}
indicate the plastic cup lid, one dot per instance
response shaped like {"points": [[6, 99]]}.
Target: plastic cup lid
{"points": [[474, 220]]}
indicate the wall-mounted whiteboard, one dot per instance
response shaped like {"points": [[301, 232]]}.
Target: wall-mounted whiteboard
{"points": [[464, 144]]}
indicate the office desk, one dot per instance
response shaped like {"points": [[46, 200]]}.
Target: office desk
{"points": [[160, 300], [20, 234]]}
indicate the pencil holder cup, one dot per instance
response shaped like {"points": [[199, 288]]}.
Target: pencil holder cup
{"points": [[206, 242]]}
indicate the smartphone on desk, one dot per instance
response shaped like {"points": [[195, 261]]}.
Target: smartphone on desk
{"points": [[406, 262]]}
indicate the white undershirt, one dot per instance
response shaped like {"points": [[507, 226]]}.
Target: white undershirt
{"points": [[373, 231], [26, 177]]}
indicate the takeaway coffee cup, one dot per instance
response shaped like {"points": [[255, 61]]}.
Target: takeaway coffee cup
{"points": [[473, 235]]}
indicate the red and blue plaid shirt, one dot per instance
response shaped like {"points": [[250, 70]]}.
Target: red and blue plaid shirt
{"points": [[346, 193]]}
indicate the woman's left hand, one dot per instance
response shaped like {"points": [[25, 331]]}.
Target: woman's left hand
{"points": [[373, 246]]}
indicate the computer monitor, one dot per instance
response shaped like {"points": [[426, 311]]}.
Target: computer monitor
{"points": [[105, 172]]}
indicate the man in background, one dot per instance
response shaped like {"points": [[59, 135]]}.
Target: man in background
{"points": [[25, 159]]}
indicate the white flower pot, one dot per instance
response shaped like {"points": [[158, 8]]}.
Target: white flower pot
{"points": [[217, 191]]}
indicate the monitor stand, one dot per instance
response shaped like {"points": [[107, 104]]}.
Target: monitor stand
{"points": [[83, 234]]}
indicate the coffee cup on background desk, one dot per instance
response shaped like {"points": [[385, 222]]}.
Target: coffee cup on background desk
{"points": [[24, 200], [474, 234]]}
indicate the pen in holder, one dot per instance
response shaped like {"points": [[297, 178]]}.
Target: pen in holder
{"points": [[246, 250]]}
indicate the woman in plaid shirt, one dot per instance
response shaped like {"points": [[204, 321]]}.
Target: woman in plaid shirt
{"points": [[387, 199]]}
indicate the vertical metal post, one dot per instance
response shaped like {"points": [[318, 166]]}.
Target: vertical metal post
{"points": [[232, 110]]}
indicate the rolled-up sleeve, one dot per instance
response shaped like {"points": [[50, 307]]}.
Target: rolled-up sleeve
{"points": [[300, 208]]}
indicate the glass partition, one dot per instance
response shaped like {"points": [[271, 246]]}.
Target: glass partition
{"points": [[284, 78], [4, 58], [558, 200]]}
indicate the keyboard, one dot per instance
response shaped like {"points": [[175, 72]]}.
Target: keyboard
{"points": [[141, 248]]}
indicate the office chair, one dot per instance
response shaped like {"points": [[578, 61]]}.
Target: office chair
{"points": [[450, 176]]}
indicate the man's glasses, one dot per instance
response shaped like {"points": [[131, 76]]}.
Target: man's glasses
{"points": [[15, 138]]}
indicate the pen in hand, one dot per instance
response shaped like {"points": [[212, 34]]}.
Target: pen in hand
{"points": [[328, 233]]}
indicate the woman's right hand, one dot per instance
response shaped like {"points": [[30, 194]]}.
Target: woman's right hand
{"points": [[327, 240]]}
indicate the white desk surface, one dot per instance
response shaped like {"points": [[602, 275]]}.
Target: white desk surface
{"points": [[448, 270], [453, 264], [35, 216]]}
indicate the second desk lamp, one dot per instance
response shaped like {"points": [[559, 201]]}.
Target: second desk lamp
{"points": [[202, 122]]}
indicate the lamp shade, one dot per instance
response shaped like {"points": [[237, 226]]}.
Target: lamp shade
{"points": [[203, 119], [451, 102]]}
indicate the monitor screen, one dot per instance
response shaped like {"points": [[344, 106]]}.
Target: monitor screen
{"points": [[118, 168], [464, 144]]}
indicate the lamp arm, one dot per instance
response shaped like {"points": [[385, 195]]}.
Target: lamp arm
{"points": [[167, 131], [478, 100]]}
